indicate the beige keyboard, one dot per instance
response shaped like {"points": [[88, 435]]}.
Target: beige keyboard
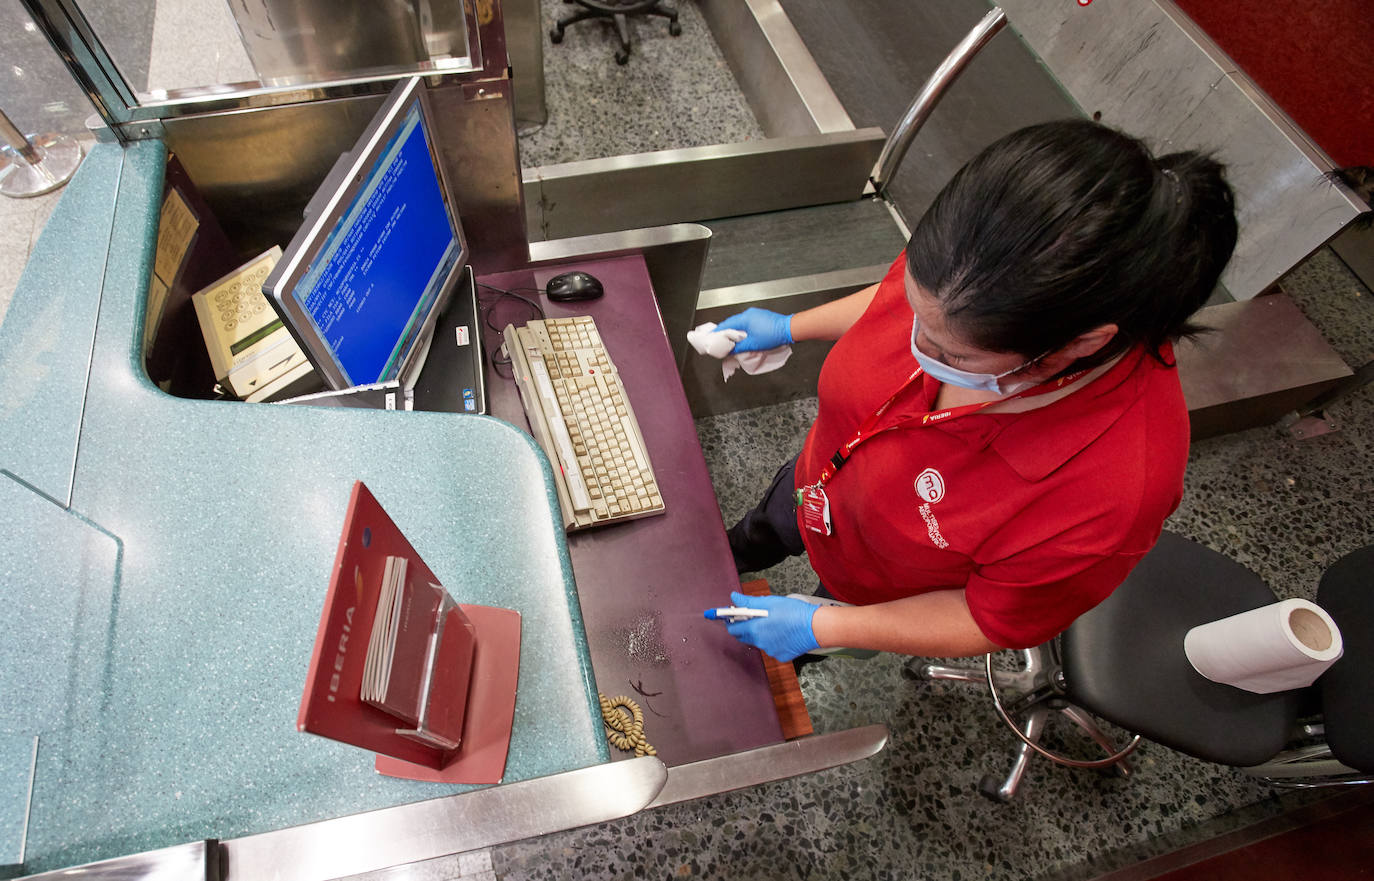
{"points": [[580, 415]]}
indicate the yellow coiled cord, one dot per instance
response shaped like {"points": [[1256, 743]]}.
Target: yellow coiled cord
{"points": [[624, 723]]}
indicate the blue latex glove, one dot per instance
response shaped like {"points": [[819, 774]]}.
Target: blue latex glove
{"points": [[784, 634], [766, 330]]}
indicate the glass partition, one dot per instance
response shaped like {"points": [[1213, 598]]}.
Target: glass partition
{"points": [[36, 92], [161, 48], [149, 60]]}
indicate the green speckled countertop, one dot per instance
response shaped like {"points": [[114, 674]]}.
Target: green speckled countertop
{"points": [[185, 547]]}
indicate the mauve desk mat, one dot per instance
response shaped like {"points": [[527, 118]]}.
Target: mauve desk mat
{"points": [[643, 584]]}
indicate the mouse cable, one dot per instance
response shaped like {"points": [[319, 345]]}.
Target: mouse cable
{"points": [[497, 362], [491, 306]]}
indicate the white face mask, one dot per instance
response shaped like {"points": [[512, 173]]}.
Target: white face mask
{"points": [[987, 382]]}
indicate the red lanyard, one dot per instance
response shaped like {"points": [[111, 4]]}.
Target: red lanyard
{"points": [[950, 413]]}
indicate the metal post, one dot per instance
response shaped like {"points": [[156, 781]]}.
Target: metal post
{"points": [[37, 164], [931, 93], [18, 143]]}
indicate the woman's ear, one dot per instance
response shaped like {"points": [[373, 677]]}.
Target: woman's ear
{"points": [[1085, 344]]}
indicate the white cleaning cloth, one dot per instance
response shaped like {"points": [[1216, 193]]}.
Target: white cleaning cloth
{"points": [[721, 344]]}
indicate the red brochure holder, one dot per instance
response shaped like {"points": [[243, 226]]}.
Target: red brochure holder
{"points": [[473, 682]]}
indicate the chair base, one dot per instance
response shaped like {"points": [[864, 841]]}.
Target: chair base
{"points": [[1307, 767], [617, 12], [1039, 684]]}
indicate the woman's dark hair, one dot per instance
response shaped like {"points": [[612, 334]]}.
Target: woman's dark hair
{"points": [[1060, 228]]}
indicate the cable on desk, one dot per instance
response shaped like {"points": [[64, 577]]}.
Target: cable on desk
{"points": [[496, 360], [624, 723]]}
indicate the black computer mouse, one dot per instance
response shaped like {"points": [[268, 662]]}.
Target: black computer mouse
{"points": [[570, 287]]}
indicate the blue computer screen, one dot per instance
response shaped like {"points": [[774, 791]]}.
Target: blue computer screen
{"points": [[382, 266]]}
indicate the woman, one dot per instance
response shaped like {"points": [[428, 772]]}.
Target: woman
{"points": [[1001, 431]]}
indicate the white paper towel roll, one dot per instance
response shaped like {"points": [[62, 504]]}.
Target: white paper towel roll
{"points": [[1272, 648]]}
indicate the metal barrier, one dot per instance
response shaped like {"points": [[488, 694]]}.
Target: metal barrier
{"points": [[37, 164], [931, 93]]}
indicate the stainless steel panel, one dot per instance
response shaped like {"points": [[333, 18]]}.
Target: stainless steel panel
{"points": [[651, 189], [823, 283], [428, 829], [1152, 77], [1264, 360], [1355, 246], [675, 256], [475, 131], [292, 42], [786, 90], [258, 169], [525, 46], [1286, 211], [198, 861], [766, 764]]}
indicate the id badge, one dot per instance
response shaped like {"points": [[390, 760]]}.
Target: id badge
{"points": [[815, 509]]}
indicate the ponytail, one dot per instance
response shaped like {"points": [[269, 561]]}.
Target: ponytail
{"points": [[1200, 227]]}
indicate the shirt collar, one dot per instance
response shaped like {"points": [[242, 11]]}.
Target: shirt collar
{"points": [[1037, 442]]}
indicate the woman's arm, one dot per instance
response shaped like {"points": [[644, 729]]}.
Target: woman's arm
{"points": [[936, 624], [829, 321]]}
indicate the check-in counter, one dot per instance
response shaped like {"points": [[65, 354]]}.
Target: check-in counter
{"points": [[166, 558]]}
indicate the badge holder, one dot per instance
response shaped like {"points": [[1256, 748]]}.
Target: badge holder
{"points": [[815, 509]]}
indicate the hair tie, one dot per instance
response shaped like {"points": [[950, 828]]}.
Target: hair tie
{"points": [[1173, 178]]}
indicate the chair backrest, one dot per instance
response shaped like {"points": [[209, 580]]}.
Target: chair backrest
{"points": [[1346, 593]]}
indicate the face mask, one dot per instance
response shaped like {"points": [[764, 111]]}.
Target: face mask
{"points": [[987, 382]]}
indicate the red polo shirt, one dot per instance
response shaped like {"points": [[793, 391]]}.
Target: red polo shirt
{"points": [[1037, 515]]}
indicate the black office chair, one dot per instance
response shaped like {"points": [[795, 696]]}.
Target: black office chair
{"points": [[1123, 662], [617, 10]]}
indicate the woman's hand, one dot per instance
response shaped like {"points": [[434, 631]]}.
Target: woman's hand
{"points": [[763, 329], [784, 634]]}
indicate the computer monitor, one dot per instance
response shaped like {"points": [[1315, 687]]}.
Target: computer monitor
{"points": [[374, 264]]}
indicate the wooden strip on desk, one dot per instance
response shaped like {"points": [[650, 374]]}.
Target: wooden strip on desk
{"points": [[782, 679]]}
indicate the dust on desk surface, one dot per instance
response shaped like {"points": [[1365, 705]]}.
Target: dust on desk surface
{"points": [[643, 640]]}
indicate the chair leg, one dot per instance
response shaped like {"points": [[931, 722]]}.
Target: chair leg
{"points": [[556, 35], [936, 671], [1121, 768], [1032, 726], [914, 669], [669, 13], [622, 30]]}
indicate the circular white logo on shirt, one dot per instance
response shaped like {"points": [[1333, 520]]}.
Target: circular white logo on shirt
{"points": [[930, 486]]}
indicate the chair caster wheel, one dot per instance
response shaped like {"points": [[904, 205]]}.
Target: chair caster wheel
{"points": [[622, 58], [556, 35], [991, 788], [916, 672], [674, 28]]}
